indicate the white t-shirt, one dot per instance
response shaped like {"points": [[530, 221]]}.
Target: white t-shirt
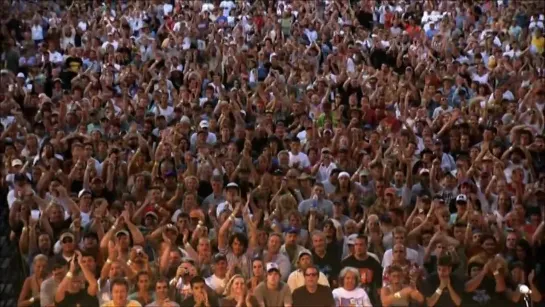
{"points": [[37, 33], [357, 297], [227, 6], [301, 157], [215, 282]]}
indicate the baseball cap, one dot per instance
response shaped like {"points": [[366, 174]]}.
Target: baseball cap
{"points": [[83, 192], [424, 170], [67, 235], [153, 214], [461, 198], [16, 162], [351, 240], [121, 232], [20, 75], [364, 173], [304, 252], [219, 257], [272, 266], [203, 124], [232, 185], [293, 230]]}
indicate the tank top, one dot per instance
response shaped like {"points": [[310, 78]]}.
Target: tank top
{"points": [[399, 302]]}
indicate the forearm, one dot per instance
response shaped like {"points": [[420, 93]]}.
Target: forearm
{"points": [[456, 299], [432, 300], [137, 236]]}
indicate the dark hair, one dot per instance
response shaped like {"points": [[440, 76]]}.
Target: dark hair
{"points": [[363, 237], [240, 237], [141, 273], [312, 266], [120, 281], [162, 280], [444, 261], [196, 280]]}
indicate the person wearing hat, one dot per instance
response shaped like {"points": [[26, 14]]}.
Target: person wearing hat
{"points": [[290, 248], [273, 292], [297, 277], [323, 168], [461, 208], [209, 137], [220, 275], [68, 245], [232, 192]]}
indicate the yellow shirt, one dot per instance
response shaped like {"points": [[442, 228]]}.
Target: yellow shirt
{"points": [[129, 304], [538, 43]]}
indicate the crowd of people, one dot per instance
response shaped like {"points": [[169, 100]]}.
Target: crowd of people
{"points": [[275, 153]]}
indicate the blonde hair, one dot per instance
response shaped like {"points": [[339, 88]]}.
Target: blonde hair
{"points": [[40, 257], [228, 286]]}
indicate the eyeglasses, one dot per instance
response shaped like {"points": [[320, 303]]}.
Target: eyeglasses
{"points": [[311, 274], [399, 252]]}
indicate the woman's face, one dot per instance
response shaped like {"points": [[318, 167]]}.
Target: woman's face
{"points": [[143, 282], [349, 282], [257, 268], [238, 286], [40, 267], [395, 277]]}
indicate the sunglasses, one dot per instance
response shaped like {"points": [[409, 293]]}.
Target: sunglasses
{"points": [[311, 274]]}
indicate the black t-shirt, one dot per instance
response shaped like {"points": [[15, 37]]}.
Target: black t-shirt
{"points": [[81, 298], [322, 297], [370, 275], [431, 284], [329, 265], [485, 294]]}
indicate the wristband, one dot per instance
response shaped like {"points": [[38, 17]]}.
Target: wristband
{"points": [[24, 229], [439, 291], [69, 275], [496, 273], [108, 261], [129, 262], [397, 295], [31, 300]]}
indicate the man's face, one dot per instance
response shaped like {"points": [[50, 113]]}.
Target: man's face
{"points": [[291, 239], [161, 289], [89, 262], [311, 277], [360, 247], [221, 267], [119, 294], [198, 287], [59, 273], [274, 244], [273, 277], [443, 271]]}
